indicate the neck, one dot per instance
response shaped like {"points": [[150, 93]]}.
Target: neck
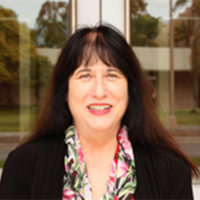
{"points": [[93, 140]]}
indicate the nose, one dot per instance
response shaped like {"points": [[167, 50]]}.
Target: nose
{"points": [[99, 88]]}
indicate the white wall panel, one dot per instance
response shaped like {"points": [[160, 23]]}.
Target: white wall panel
{"points": [[87, 12], [113, 13]]}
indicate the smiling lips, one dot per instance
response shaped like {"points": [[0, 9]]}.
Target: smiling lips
{"points": [[99, 109]]}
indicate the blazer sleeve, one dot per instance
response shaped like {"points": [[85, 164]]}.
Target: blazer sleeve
{"points": [[179, 180], [14, 183]]}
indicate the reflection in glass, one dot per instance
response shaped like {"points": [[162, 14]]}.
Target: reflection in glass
{"points": [[29, 46], [150, 40], [187, 36], [52, 24], [150, 34], [9, 66]]}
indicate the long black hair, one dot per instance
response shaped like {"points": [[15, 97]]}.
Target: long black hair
{"points": [[107, 44]]}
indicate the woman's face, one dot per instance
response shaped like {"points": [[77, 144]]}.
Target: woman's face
{"points": [[97, 96]]}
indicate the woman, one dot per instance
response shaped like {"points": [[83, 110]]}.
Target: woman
{"points": [[97, 136]]}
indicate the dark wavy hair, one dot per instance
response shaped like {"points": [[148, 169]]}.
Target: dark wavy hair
{"points": [[106, 43]]}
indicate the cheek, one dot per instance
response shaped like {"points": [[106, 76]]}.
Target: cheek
{"points": [[121, 91], [77, 93], [123, 95], [124, 99]]}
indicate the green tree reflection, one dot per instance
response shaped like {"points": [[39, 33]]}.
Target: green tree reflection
{"points": [[52, 23], [10, 58]]}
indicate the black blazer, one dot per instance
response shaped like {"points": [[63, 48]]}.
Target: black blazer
{"points": [[35, 171]]}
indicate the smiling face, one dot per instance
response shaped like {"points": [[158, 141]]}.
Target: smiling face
{"points": [[97, 97]]}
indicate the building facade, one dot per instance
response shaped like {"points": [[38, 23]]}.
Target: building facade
{"points": [[33, 32]]}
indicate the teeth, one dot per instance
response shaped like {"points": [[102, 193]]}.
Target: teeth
{"points": [[99, 107]]}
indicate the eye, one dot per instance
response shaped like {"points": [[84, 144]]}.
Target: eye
{"points": [[112, 75], [84, 76]]}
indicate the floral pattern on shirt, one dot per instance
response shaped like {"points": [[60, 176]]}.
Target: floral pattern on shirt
{"points": [[122, 179]]}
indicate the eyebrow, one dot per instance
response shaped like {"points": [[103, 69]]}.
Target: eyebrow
{"points": [[110, 69], [113, 69], [83, 70]]}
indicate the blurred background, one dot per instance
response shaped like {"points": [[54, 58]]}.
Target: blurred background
{"points": [[164, 34]]}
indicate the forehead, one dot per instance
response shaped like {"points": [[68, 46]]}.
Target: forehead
{"points": [[98, 65]]}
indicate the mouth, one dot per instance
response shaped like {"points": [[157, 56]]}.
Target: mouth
{"points": [[99, 109]]}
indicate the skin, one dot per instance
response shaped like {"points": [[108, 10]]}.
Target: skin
{"points": [[98, 84]]}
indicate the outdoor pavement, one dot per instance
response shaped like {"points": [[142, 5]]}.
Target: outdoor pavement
{"points": [[188, 137]]}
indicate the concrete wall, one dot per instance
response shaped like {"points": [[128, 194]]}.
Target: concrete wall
{"points": [[157, 58], [151, 58]]}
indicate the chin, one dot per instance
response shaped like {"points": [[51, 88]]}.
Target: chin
{"points": [[101, 126]]}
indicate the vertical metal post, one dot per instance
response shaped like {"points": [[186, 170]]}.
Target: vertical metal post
{"points": [[100, 11], [172, 118], [127, 20], [73, 15], [24, 79]]}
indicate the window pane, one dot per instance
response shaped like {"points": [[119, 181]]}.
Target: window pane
{"points": [[31, 35], [150, 38]]}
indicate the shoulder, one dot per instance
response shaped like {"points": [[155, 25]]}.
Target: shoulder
{"points": [[41, 159], [27, 158], [30, 150], [167, 173], [40, 142], [163, 160]]}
